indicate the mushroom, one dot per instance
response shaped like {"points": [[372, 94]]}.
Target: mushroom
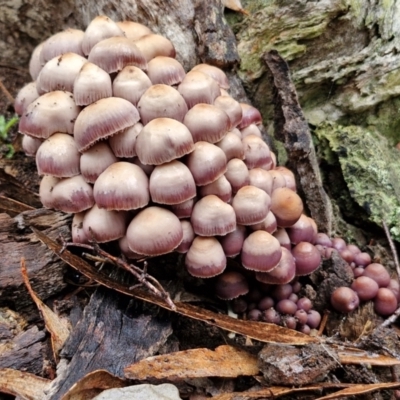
{"points": [[230, 285]]}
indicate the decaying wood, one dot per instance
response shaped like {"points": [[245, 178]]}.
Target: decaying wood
{"points": [[45, 269], [291, 128], [107, 338]]}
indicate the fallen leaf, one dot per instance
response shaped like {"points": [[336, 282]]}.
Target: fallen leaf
{"points": [[354, 356], [58, 327], [13, 207], [268, 333], [23, 384], [225, 361], [234, 5], [360, 389], [93, 384]]}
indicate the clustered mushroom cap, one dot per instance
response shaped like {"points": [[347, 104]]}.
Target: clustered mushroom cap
{"points": [[25, 96], [134, 30], [165, 70]]}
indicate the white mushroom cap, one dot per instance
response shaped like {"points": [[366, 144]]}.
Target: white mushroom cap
{"points": [[154, 231], [122, 186], [165, 70], [153, 45], [214, 72], [25, 96], [134, 30]]}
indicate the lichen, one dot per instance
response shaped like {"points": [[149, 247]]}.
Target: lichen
{"points": [[371, 170]]}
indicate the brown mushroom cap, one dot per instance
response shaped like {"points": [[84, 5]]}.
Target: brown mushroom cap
{"points": [[103, 225], [161, 101], [251, 205], [154, 45], [72, 195], [165, 70], [103, 119], [207, 122], [205, 258], [163, 140], [58, 156], [230, 285], [207, 163], [91, 84], [115, 53], [211, 216], [122, 186], [50, 113], [69, 40], [154, 231], [95, 160], [134, 30], [59, 73], [99, 28], [198, 88], [287, 206], [214, 72], [130, 84], [261, 252], [172, 183]]}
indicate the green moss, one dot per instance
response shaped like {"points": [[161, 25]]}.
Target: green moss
{"points": [[371, 170]]}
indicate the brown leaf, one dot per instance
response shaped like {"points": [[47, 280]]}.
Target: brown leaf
{"points": [[58, 327], [225, 361], [234, 5], [360, 389], [26, 386], [354, 356], [13, 207], [268, 333], [92, 384]]}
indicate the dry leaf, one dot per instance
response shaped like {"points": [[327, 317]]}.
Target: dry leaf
{"points": [[354, 356], [92, 384], [26, 386], [360, 389], [225, 361], [268, 333], [58, 327], [13, 207], [234, 5]]}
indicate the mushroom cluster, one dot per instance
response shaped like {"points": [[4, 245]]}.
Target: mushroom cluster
{"points": [[162, 160]]}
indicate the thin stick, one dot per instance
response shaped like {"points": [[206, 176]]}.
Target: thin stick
{"points": [[141, 275], [6, 92], [392, 248]]}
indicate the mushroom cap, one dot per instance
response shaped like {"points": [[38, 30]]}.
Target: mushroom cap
{"points": [[165, 70], [250, 115], [134, 30], [25, 96], [213, 72], [99, 28], [184, 209], [252, 129], [268, 224], [59, 73], [30, 145], [287, 206], [154, 231], [256, 152], [261, 252], [95, 160], [230, 285], [34, 63], [130, 83], [91, 84], [207, 122], [283, 273], [103, 119], [231, 107], [188, 237], [122, 186], [123, 143], [308, 258], [163, 140], [47, 185], [103, 225], [58, 156], [172, 183], [115, 53], [220, 187], [283, 238], [66, 41], [205, 258], [211, 216], [237, 174], [50, 113], [232, 146], [72, 195], [232, 242], [154, 45], [77, 233], [251, 205], [161, 101], [197, 87], [301, 231], [207, 163]]}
